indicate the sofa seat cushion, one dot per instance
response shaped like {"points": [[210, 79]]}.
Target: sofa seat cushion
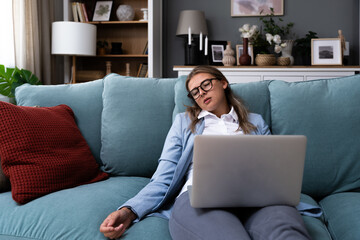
{"points": [[316, 226], [327, 113], [342, 214], [42, 151], [83, 98], [255, 96], [135, 122], [75, 213]]}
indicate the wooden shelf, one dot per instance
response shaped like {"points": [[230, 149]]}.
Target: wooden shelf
{"points": [[120, 22], [123, 55]]}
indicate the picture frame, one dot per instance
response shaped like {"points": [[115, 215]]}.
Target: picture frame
{"points": [[216, 52], [102, 11], [239, 50], [326, 51], [240, 8]]}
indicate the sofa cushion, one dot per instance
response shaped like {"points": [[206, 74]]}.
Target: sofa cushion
{"points": [[342, 214], [42, 150], [316, 228], [83, 98], [255, 96], [4, 181], [135, 121], [327, 113], [76, 213]]}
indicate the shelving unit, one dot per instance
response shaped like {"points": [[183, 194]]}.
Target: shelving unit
{"points": [[134, 35]]}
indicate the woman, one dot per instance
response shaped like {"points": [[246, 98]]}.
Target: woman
{"points": [[215, 111]]}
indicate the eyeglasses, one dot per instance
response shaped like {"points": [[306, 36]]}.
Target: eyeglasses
{"points": [[205, 85]]}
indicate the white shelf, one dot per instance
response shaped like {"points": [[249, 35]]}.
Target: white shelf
{"points": [[242, 74]]}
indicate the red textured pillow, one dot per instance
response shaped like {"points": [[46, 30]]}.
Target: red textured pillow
{"points": [[42, 151]]}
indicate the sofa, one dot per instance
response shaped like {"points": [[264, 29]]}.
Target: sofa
{"points": [[124, 121]]}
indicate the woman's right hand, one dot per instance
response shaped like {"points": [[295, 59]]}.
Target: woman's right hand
{"points": [[117, 222]]}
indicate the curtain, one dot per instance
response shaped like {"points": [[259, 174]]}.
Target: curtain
{"points": [[32, 37]]}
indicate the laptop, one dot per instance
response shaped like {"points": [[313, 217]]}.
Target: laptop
{"points": [[247, 170]]}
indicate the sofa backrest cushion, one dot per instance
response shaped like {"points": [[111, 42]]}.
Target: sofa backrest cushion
{"points": [[327, 113], [135, 121], [85, 99], [255, 96]]}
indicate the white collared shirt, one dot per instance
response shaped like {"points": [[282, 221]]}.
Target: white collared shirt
{"points": [[227, 124]]}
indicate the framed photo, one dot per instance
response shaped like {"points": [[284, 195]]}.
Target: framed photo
{"points": [[239, 51], [216, 50], [102, 11], [245, 8], [326, 51]]}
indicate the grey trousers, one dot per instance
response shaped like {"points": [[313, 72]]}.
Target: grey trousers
{"points": [[273, 222]]}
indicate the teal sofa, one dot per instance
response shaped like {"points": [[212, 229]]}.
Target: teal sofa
{"points": [[125, 121]]}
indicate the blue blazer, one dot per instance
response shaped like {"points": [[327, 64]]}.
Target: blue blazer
{"points": [[158, 196]]}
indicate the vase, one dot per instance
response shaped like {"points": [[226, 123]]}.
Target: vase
{"points": [[245, 58], [265, 59], [229, 59], [125, 13], [287, 51]]}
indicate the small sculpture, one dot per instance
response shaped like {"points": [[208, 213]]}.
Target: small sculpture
{"points": [[125, 13], [342, 39]]}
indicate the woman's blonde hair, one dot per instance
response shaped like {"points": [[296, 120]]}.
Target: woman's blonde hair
{"points": [[241, 111]]}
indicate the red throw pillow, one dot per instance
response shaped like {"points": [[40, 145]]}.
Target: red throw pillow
{"points": [[42, 151]]}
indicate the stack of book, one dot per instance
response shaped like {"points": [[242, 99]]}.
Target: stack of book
{"points": [[80, 13]]}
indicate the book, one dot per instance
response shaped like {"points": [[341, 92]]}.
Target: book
{"points": [[80, 12], [74, 11], [85, 12], [143, 70], [145, 51]]}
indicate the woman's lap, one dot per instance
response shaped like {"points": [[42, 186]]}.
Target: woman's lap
{"points": [[273, 222]]}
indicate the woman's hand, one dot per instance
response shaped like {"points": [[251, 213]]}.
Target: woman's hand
{"points": [[117, 222]]}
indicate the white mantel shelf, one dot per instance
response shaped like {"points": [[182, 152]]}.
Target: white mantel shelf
{"points": [[241, 74]]}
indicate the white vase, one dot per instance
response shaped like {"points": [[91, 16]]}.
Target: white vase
{"points": [[287, 51], [228, 59], [125, 13]]}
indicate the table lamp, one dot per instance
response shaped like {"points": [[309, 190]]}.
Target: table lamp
{"points": [[73, 39], [193, 23]]}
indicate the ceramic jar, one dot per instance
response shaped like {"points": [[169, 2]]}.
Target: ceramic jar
{"points": [[229, 59], [287, 51]]}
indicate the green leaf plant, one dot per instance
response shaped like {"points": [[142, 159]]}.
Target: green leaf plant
{"points": [[11, 78]]}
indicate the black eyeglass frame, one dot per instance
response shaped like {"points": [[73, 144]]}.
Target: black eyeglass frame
{"points": [[197, 88]]}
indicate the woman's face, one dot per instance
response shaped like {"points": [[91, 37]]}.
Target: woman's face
{"points": [[213, 100]]}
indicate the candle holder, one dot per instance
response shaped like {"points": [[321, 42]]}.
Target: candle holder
{"points": [[192, 53]]}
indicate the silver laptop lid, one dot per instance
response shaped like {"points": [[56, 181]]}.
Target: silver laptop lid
{"points": [[247, 170]]}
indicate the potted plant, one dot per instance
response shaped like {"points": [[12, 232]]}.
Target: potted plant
{"points": [[271, 41], [302, 48], [101, 47], [11, 78]]}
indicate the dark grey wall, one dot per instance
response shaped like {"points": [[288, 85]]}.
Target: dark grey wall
{"points": [[324, 17]]}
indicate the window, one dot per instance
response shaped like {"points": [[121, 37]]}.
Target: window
{"points": [[7, 54]]}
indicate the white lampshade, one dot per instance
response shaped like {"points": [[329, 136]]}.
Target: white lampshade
{"points": [[73, 38], [194, 19]]}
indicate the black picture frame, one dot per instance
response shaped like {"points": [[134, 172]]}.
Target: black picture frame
{"points": [[216, 52]]}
